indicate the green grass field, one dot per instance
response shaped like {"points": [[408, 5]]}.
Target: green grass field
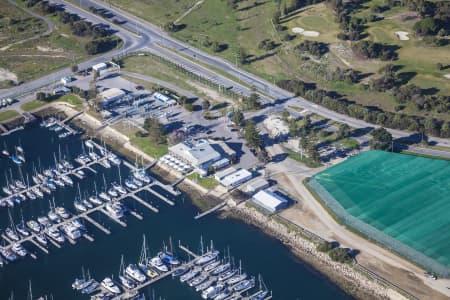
{"points": [[8, 114], [150, 148], [69, 98], [391, 193], [207, 182]]}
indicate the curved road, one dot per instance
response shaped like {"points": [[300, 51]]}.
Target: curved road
{"points": [[149, 37]]}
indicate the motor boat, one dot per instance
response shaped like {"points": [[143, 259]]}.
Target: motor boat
{"points": [[110, 286], [114, 159], [55, 234], [19, 184], [90, 288], [8, 254], [34, 226], [44, 221], [54, 217], [158, 264], [180, 271], [119, 188], [62, 212], [130, 184], [79, 206], [67, 179], [126, 282], [113, 193], [22, 229], [212, 291], [104, 196], [78, 224], [87, 204], [95, 200], [71, 231], [12, 234], [148, 271], [16, 160], [169, 258], [134, 273], [41, 239], [115, 209], [19, 249]]}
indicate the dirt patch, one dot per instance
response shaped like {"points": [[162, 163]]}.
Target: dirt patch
{"points": [[309, 33], [48, 49], [7, 75]]}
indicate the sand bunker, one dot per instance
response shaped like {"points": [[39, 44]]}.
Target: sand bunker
{"points": [[304, 32], [7, 75], [48, 49], [447, 76], [402, 35]]}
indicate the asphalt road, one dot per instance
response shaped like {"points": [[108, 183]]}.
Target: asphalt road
{"points": [[138, 34]]}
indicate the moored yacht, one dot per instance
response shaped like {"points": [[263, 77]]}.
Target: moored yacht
{"points": [[169, 258], [95, 200], [62, 212], [180, 271], [260, 296], [71, 231], [113, 193], [104, 196], [41, 239], [67, 179], [130, 184], [12, 234], [134, 273], [110, 286], [203, 286], [54, 217], [37, 192], [211, 266], [19, 249], [227, 275], [22, 229], [220, 269], [128, 283], [237, 278], [55, 234], [8, 254], [87, 204], [44, 221], [158, 264], [34, 226], [243, 285], [119, 188], [115, 209], [198, 280], [79, 206], [206, 258], [212, 291], [191, 274], [225, 294]]}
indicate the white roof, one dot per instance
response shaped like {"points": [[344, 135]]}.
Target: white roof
{"points": [[257, 184], [196, 153], [269, 199], [112, 93], [222, 174], [99, 66], [238, 176]]}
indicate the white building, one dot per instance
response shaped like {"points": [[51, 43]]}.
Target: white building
{"points": [[66, 80], [100, 67], [198, 154], [237, 178], [257, 185], [222, 174], [270, 201], [111, 95], [163, 98]]}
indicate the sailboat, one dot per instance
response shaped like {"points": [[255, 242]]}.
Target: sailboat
{"points": [[263, 292], [168, 257], [5, 151], [124, 280], [143, 261]]}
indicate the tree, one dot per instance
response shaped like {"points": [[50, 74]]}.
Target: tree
{"points": [[439, 67], [251, 102], [252, 135], [285, 115], [340, 255], [41, 96], [95, 75], [155, 130], [238, 118], [313, 153], [242, 56], [74, 68], [381, 139], [426, 26], [343, 131], [206, 104]]}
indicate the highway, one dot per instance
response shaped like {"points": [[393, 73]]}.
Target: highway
{"points": [[138, 34]]}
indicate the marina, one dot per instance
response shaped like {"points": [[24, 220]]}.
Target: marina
{"points": [[212, 277], [53, 274]]}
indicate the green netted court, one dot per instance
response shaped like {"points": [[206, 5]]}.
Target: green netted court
{"points": [[405, 198]]}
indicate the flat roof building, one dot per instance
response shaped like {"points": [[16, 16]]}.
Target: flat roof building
{"points": [[257, 185], [222, 174], [237, 178], [111, 95], [270, 201], [100, 67]]}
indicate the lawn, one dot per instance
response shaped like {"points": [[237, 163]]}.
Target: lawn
{"points": [[8, 114], [207, 182], [302, 158], [150, 148], [69, 98]]}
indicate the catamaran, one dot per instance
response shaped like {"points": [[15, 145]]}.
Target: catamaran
{"points": [[71, 231], [95, 200], [22, 229], [104, 196]]}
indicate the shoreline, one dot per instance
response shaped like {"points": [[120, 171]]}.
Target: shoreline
{"points": [[350, 280]]}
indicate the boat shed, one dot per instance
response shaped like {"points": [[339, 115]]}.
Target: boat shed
{"points": [[237, 178], [257, 185], [269, 201]]}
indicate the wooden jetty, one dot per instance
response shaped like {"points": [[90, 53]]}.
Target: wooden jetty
{"points": [[211, 210]]}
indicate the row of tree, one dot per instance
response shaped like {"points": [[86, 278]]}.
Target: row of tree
{"points": [[374, 115]]}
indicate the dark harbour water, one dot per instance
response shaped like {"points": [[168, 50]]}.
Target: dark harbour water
{"points": [[288, 277]]}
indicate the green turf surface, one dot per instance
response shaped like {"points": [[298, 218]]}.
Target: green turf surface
{"points": [[403, 196]]}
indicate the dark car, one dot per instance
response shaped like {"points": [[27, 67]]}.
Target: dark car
{"points": [[139, 87]]}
